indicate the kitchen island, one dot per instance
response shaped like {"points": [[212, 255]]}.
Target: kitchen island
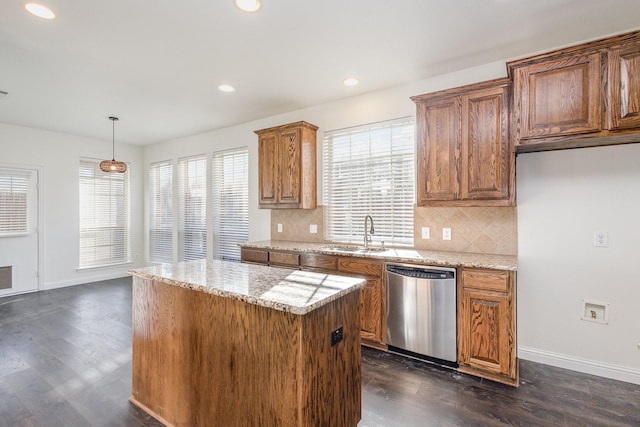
{"points": [[222, 343]]}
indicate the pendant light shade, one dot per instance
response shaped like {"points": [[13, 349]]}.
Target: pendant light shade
{"points": [[113, 166]]}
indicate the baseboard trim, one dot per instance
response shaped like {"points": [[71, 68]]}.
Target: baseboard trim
{"points": [[84, 279], [593, 367]]}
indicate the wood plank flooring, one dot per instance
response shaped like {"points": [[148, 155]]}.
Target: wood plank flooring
{"points": [[65, 360]]}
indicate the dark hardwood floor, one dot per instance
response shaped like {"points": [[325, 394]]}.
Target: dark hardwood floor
{"points": [[65, 360]]}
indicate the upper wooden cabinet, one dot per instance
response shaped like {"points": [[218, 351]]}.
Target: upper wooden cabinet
{"points": [[287, 166], [464, 155], [624, 86], [582, 96]]}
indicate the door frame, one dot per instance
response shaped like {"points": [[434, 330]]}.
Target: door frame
{"points": [[37, 170]]}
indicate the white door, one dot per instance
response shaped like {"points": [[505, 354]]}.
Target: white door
{"points": [[19, 255]]}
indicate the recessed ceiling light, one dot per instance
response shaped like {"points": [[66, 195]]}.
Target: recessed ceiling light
{"points": [[39, 10], [248, 5], [351, 81], [226, 88]]}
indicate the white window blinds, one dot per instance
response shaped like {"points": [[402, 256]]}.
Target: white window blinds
{"points": [[192, 208], [104, 216], [15, 188], [369, 170], [161, 212], [230, 203]]}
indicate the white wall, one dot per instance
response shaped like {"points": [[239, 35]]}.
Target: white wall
{"points": [[58, 155], [357, 110], [563, 198]]}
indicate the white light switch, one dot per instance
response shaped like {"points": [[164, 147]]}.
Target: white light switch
{"points": [[425, 233], [446, 234], [279, 228], [313, 229], [601, 239]]}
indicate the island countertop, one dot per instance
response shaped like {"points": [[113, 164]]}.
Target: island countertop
{"points": [[293, 291]]}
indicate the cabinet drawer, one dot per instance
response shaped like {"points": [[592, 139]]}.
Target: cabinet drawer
{"points": [[319, 261], [360, 266], [488, 280], [254, 255], [284, 258]]}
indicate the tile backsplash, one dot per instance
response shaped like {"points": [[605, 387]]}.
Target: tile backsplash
{"points": [[484, 230], [295, 224]]}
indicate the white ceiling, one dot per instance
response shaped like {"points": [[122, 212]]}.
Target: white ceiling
{"points": [[157, 63]]}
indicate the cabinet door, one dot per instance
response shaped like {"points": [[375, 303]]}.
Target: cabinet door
{"points": [[438, 150], [371, 310], [268, 168], [289, 164], [558, 97], [624, 87], [485, 145], [485, 332]]}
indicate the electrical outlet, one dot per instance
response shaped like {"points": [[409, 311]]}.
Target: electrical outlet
{"points": [[446, 234], [336, 336], [601, 239], [426, 233], [313, 229], [279, 228]]}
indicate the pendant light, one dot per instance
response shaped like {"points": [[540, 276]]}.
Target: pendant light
{"points": [[113, 166]]}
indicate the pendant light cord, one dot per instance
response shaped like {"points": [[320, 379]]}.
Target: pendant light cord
{"points": [[113, 138]]}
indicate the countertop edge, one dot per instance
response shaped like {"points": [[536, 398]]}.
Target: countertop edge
{"points": [[421, 256], [280, 306]]}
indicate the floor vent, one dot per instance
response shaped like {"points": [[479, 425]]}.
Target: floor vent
{"points": [[5, 277]]}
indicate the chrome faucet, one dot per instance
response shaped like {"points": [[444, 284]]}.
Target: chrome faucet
{"points": [[367, 234]]}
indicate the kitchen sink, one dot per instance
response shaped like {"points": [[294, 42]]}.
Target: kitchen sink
{"points": [[353, 249]]}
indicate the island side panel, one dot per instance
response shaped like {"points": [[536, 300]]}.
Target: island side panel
{"points": [[331, 382], [199, 358]]}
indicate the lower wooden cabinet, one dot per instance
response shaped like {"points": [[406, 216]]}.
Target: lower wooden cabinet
{"points": [[487, 324], [371, 296]]}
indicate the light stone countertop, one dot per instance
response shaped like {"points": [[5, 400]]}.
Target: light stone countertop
{"points": [[293, 291], [415, 256]]}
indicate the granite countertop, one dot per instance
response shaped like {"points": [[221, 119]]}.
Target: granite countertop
{"points": [[297, 292], [439, 258]]}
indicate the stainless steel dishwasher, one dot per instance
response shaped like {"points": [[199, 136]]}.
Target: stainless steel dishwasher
{"points": [[421, 311]]}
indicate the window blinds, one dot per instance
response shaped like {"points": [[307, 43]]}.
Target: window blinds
{"points": [[161, 212], [230, 203], [15, 186], [104, 216], [192, 208], [369, 170]]}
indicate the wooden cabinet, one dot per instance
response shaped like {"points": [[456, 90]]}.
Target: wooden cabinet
{"points": [[558, 97], [372, 306], [624, 86], [464, 155], [486, 324], [582, 96], [287, 166]]}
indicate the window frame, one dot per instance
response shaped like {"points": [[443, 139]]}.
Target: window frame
{"points": [[352, 157]]}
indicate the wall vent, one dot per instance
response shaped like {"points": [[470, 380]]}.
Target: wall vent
{"points": [[5, 277]]}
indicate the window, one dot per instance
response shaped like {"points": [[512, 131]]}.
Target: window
{"points": [[192, 208], [104, 216], [369, 170], [16, 187], [230, 203], [161, 220]]}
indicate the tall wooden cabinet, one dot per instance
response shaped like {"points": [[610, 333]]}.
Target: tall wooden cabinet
{"points": [[487, 324], [582, 96], [287, 166], [464, 155]]}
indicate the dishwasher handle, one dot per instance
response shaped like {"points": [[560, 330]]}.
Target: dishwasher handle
{"points": [[420, 273]]}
